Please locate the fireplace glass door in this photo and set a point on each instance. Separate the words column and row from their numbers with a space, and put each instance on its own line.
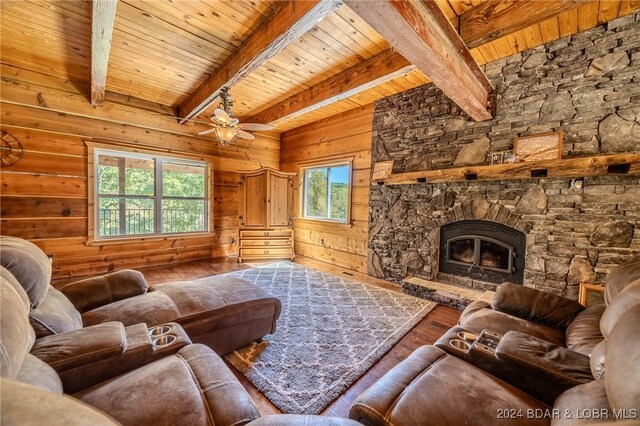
column 480, row 252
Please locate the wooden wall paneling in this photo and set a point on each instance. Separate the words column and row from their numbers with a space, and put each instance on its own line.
column 44, row 197
column 344, row 135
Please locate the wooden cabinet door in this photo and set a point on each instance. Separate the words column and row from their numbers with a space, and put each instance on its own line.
column 253, row 210
column 280, row 203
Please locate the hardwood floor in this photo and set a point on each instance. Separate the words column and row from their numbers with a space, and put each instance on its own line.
column 426, row 332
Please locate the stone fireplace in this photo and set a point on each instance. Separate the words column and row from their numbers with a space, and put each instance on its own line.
column 585, row 85
column 483, row 251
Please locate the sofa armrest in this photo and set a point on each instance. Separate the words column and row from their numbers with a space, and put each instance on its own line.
column 99, row 291
column 80, row 347
column 94, row 354
column 535, row 305
column 542, row 369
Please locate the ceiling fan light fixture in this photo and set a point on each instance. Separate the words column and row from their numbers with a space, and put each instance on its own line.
column 225, row 135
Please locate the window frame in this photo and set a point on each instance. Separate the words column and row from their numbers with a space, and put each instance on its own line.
column 303, row 189
column 159, row 159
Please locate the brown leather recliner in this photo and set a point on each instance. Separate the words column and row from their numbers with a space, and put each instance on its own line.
column 222, row 312
column 543, row 315
column 191, row 387
column 433, row 387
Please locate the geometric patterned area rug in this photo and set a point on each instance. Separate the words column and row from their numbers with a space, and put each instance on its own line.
column 330, row 332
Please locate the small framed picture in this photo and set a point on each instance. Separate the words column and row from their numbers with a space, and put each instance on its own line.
column 508, row 157
column 591, row 294
column 382, row 170
column 496, row 157
column 544, row 146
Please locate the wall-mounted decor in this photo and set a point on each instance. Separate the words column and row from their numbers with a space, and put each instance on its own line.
column 508, row 157
column 543, row 146
column 10, row 149
column 382, row 170
column 496, row 157
column 591, row 294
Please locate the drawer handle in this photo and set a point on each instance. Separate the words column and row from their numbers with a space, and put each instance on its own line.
column 266, row 252
column 266, row 243
column 266, row 234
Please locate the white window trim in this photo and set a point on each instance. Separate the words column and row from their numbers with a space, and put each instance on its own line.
column 303, row 186
column 95, row 149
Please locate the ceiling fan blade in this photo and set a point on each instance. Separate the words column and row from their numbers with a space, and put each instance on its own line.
column 256, row 126
column 234, row 122
column 222, row 115
column 245, row 135
column 206, row 132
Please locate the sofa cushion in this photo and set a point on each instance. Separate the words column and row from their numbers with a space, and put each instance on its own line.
column 192, row 387
column 38, row 373
column 584, row 332
column 587, row 398
column 302, row 420
column 55, row 315
column 152, row 308
column 620, row 304
column 28, row 264
column 486, row 318
column 619, row 278
column 23, row 404
column 16, row 336
column 432, row 386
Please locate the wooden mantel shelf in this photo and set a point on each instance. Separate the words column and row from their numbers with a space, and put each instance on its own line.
column 615, row 164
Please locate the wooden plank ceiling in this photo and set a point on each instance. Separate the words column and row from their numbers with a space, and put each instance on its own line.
column 163, row 50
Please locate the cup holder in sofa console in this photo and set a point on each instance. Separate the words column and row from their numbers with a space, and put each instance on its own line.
column 459, row 344
column 165, row 340
column 467, row 336
column 159, row 330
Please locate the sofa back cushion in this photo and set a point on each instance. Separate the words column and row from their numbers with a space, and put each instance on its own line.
column 28, row 264
column 619, row 278
column 584, row 331
column 617, row 308
column 16, row 335
column 56, row 314
column 622, row 374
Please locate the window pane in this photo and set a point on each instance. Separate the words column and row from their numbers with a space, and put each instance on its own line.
column 182, row 216
column 316, row 196
column 139, row 216
column 139, row 176
column 339, row 192
column 138, row 179
column 108, row 175
column 108, row 217
column 180, row 180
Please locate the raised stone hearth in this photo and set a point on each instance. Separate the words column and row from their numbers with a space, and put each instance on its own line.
column 587, row 86
column 455, row 296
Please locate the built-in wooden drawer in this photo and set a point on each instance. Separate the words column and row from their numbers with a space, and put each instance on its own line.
column 273, row 242
column 270, row 233
column 286, row 252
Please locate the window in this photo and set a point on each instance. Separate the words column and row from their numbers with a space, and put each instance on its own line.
column 327, row 192
column 145, row 195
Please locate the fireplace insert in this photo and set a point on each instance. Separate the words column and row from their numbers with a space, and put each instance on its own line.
column 482, row 250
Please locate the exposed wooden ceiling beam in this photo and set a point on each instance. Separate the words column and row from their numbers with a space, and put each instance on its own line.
column 496, row 18
column 376, row 70
column 102, row 19
column 422, row 33
column 286, row 25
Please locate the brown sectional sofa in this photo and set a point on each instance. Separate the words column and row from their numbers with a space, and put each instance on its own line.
column 221, row 312
column 597, row 379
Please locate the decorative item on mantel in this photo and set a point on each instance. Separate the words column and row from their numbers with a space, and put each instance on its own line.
column 11, row 149
column 543, row 146
column 381, row 170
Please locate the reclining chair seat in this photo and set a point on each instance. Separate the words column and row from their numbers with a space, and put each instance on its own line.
column 432, row 387
column 222, row 312
column 185, row 388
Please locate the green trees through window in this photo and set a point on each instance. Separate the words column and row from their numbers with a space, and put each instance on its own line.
column 129, row 203
column 326, row 194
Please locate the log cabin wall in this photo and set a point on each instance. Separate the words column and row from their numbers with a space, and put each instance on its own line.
column 346, row 135
column 44, row 196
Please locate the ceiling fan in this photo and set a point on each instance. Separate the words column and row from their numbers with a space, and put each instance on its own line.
column 227, row 128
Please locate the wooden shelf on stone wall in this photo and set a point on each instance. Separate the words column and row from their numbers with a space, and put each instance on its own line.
column 599, row 165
